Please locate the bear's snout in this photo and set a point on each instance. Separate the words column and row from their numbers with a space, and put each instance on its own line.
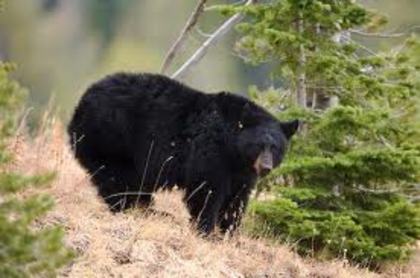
column 264, row 162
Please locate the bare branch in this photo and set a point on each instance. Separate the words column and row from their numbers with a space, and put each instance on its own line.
column 215, row 7
column 377, row 35
column 365, row 48
column 414, row 199
column 202, row 33
column 385, row 35
column 377, row 191
column 183, row 35
column 212, row 39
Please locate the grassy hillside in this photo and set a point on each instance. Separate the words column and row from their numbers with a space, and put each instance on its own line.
column 158, row 243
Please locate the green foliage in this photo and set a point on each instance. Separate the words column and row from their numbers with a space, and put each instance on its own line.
column 350, row 174
column 26, row 250
column 362, row 228
column 349, row 178
column 11, row 96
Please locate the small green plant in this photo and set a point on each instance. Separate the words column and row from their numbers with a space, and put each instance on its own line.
column 25, row 250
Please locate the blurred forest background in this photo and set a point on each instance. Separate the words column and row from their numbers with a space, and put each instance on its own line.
column 349, row 187
column 60, row 46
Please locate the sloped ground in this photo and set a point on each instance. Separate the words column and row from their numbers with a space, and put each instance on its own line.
column 157, row 243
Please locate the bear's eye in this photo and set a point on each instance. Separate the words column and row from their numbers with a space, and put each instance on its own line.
column 274, row 147
column 254, row 148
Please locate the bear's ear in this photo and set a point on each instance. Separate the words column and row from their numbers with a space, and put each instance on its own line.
column 289, row 128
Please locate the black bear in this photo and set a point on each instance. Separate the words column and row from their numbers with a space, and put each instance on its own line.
column 135, row 133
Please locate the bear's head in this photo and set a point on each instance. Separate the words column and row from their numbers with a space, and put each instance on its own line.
column 262, row 140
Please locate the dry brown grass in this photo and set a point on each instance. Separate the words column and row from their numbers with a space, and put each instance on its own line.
column 138, row 244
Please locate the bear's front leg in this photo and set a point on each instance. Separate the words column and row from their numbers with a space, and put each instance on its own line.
column 230, row 216
column 207, row 180
column 204, row 207
column 206, row 190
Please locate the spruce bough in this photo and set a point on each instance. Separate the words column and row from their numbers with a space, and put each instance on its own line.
column 349, row 186
column 25, row 251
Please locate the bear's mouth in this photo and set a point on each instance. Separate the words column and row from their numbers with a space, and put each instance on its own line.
column 264, row 163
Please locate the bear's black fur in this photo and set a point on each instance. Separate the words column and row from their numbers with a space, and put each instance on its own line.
column 135, row 133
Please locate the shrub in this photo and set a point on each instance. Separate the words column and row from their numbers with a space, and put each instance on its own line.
column 25, row 250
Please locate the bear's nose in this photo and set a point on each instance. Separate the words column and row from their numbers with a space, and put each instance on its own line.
column 264, row 172
column 264, row 163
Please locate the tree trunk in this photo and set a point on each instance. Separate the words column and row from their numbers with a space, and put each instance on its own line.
column 301, row 76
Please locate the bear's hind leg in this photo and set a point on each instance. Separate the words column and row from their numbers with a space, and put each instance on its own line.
column 119, row 185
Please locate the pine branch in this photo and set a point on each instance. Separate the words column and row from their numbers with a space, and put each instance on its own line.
column 212, row 39
column 192, row 21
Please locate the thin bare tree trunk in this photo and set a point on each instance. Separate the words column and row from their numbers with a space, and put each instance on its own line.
column 192, row 21
column 212, row 39
column 301, row 76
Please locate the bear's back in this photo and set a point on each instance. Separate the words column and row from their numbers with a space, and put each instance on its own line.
column 123, row 110
column 140, row 91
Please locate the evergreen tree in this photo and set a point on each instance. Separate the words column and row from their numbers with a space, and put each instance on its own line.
column 24, row 250
column 347, row 185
